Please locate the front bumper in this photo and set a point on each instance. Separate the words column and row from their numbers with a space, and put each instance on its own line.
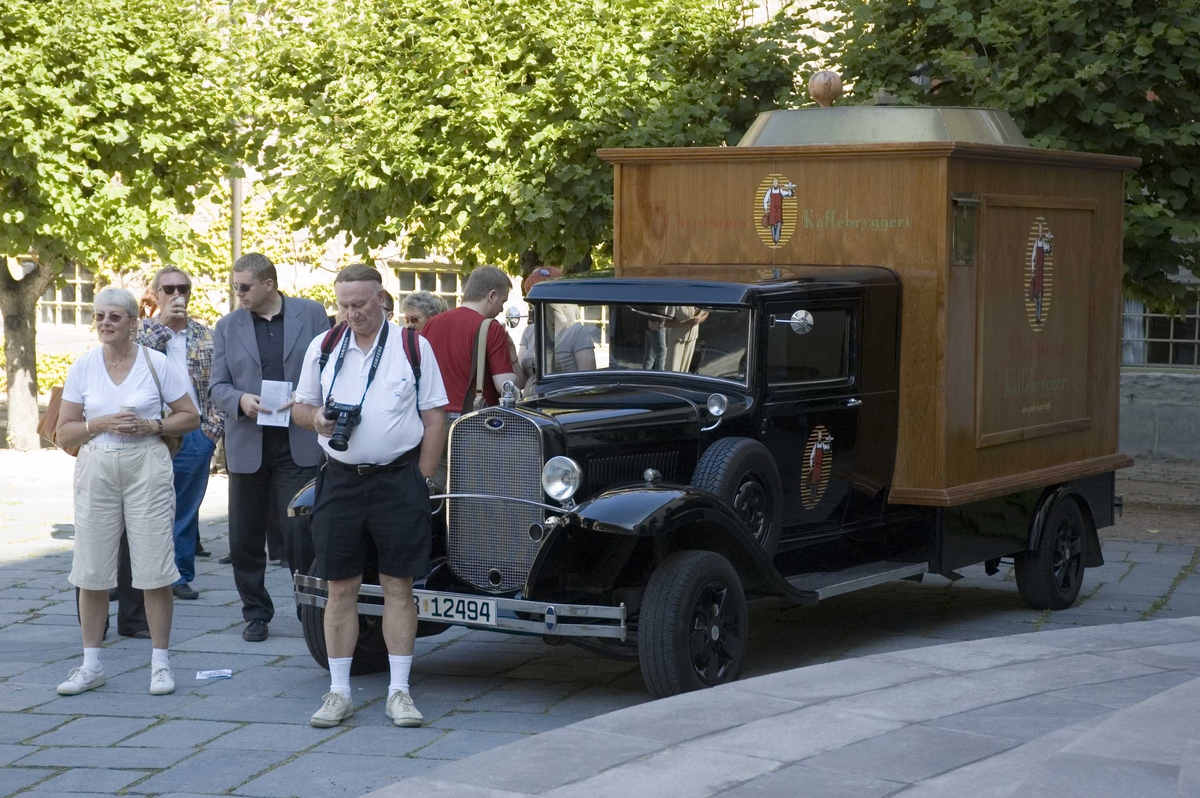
column 516, row 616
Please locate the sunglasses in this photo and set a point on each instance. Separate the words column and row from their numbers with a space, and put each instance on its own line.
column 112, row 318
column 243, row 288
column 183, row 290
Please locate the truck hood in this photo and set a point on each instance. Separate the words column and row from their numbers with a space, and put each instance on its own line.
column 605, row 408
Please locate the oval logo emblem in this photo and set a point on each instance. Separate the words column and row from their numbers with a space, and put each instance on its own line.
column 1039, row 273
column 775, row 210
column 551, row 619
column 495, row 423
column 814, row 471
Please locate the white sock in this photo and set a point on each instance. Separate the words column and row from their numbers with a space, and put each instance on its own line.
column 401, row 666
column 339, row 676
column 91, row 660
column 159, row 659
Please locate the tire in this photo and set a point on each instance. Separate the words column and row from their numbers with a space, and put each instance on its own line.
column 743, row 474
column 676, row 649
column 1050, row 576
column 370, row 654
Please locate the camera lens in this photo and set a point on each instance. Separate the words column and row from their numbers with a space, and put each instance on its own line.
column 339, row 441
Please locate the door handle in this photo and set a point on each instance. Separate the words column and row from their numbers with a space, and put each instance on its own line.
column 853, row 402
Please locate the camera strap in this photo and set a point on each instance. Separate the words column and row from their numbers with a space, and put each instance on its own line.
column 341, row 358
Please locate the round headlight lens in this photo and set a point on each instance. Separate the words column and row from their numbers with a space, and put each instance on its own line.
column 717, row 405
column 561, row 477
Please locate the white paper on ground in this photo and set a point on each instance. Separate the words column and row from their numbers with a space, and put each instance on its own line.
column 275, row 394
column 225, row 673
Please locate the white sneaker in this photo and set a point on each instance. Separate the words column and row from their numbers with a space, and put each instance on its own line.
column 335, row 710
column 80, row 681
column 401, row 710
column 162, row 682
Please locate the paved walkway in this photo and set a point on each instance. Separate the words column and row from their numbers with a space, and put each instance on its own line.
column 248, row 736
column 1105, row 711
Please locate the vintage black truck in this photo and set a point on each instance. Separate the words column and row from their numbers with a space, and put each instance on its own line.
column 725, row 441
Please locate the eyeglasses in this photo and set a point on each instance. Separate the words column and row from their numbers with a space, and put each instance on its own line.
column 112, row 318
column 183, row 290
column 243, row 288
column 413, row 320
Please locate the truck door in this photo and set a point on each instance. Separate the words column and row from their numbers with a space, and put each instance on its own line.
column 811, row 408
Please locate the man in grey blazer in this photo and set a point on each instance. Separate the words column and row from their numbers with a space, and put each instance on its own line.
column 263, row 340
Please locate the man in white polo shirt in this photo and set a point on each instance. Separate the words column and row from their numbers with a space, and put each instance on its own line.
column 383, row 442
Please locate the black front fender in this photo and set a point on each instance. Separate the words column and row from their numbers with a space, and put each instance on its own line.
column 616, row 539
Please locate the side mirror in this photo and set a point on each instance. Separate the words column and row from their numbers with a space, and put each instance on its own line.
column 512, row 317
column 801, row 321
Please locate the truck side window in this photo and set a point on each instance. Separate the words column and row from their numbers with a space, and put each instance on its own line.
column 820, row 354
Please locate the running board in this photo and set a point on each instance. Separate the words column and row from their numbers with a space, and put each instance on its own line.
column 825, row 584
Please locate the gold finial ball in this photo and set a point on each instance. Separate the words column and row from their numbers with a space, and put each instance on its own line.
column 825, row 87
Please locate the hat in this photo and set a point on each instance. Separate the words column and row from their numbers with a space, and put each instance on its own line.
column 538, row 275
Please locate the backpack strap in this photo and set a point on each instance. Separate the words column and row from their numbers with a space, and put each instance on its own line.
column 330, row 341
column 412, row 348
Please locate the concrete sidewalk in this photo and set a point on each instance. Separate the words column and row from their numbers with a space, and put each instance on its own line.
column 1104, row 711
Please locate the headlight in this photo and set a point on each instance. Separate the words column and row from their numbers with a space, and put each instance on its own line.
column 561, row 477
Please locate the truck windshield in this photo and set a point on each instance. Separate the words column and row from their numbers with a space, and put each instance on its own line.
column 707, row 341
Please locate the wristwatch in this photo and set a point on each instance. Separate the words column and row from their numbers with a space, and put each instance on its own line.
column 430, row 485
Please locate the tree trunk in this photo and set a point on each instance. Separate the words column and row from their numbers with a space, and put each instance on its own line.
column 18, row 304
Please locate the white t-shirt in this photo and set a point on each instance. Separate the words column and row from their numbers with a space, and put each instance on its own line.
column 390, row 423
column 576, row 338
column 88, row 384
column 177, row 354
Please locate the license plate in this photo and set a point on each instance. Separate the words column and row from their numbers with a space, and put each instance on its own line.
column 432, row 607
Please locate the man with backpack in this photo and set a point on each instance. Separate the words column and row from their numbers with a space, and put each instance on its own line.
column 373, row 393
column 476, row 354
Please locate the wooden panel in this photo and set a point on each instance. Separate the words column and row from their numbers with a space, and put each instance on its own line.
column 1091, row 297
column 1002, row 486
column 1033, row 331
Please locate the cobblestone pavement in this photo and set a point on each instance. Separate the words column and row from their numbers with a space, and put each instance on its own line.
column 249, row 735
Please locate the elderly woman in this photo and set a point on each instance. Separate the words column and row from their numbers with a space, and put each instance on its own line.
column 419, row 307
column 112, row 409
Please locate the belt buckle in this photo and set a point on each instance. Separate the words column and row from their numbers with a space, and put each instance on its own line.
column 363, row 469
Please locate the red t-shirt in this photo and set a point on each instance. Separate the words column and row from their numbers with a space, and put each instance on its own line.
column 452, row 335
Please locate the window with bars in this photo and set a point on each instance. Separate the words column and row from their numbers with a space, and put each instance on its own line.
column 446, row 284
column 1159, row 339
column 70, row 304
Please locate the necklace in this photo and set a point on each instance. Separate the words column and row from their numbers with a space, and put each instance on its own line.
column 118, row 361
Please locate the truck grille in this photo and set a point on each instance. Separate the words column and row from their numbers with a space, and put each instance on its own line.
column 499, row 453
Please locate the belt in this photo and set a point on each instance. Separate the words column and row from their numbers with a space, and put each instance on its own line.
column 118, row 446
column 366, row 469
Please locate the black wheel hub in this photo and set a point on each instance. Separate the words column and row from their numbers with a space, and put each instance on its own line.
column 753, row 505
column 715, row 636
column 1068, row 555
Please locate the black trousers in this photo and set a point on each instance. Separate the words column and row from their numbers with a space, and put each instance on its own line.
column 253, row 499
column 131, row 603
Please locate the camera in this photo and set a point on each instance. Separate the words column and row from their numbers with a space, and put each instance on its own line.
column 345, row 418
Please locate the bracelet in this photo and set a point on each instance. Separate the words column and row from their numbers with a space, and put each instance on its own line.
column 87, row 425
column 160, row 425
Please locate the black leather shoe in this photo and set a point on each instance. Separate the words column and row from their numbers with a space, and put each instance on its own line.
column 185, row 592
column 255, row 631
column 202, row 552
column 112, row 594
column 140, row 634
column 225, row 559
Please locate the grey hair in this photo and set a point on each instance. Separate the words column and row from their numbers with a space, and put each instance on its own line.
column 115, row 297
column 158, row 275
column 424, row 303
column 258, row 265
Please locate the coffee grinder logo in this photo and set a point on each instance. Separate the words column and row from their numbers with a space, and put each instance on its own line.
column 775, row 210
column 818, row 462
column 1039, row 273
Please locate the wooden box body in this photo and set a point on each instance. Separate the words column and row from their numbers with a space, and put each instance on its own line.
column 996, row 395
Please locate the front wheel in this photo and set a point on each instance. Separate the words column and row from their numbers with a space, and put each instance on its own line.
column 693, row 624
column 370, row 654
column 1049, row 577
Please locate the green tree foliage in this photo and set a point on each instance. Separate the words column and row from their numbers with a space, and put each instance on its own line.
column 114, row 116
column 471, row 125
column 1107, row 76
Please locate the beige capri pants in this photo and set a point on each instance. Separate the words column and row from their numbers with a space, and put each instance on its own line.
column 126, row 486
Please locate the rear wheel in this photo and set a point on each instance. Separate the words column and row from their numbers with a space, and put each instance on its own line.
column 693, row 624
column 1049, row 577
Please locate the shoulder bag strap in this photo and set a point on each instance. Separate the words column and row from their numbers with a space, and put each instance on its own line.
column 412, row 348
column 474, row 396
column 161, row 399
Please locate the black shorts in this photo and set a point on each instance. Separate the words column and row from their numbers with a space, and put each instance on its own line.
column 392, row 508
